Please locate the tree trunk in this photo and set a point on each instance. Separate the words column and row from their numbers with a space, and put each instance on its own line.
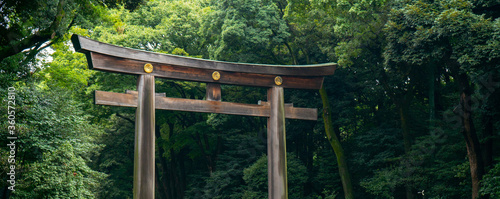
column 37, row 39
column 182, row 179
column 472, row 143
column 337, row 147
column 161, row 182
column 170, row 184
column 6, row 192
column 488, row 143
column 489, row 120
column 204, row 146
column 403, row 108
column 465, row 111
column 432, row 104
column 402, row 103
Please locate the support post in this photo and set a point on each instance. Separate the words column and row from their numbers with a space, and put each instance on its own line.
column 144, row 155
column 213, row 92
column 276, row 145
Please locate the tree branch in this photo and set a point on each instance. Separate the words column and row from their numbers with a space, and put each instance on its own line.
column 37, row 38
column 125, row 118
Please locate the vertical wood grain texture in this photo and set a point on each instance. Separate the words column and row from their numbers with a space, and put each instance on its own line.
column 144, row 156
column 276, row 145
column 213, row 92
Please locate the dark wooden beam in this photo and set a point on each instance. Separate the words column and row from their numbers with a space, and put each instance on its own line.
column 128, row 66
column 86, row 45
column 115, row 99
column 204, row 106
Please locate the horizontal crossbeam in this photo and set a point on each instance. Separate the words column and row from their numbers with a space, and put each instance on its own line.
column 128, row 66
column 178, row 104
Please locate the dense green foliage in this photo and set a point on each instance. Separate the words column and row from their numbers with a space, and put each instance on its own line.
column 56, row 143
column 414, row 103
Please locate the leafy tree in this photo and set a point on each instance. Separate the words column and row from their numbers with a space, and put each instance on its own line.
column 28, row 27
column 491, row 183
column 256, row 178
column 245, row 31
column 457, row 38
column 337, row 147
column 312, row 21
column 55, row 145
column 240, row 151
column 67, row 70
column 62, row 173
column 160, row 26
column 117, row 158
column 128, row 4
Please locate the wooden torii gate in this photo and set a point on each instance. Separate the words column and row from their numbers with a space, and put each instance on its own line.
column 148, row 65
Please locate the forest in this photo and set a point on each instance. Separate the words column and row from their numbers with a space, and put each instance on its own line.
column 412, row 111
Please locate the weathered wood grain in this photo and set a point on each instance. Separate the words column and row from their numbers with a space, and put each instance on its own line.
column 276, row 146
column 204, row 106
column 86, row 45
column 213, row 92
column 115, row 99
column 144, row 153
column 128, row 66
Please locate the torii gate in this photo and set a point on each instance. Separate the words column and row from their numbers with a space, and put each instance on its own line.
column 148, row 65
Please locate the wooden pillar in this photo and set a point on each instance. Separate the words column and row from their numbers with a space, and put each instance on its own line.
column 144, row 156
column 276, row 145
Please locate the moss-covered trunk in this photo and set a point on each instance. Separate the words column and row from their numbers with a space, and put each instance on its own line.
column 337, row 147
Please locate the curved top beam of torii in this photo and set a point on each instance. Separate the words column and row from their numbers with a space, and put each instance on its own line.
column 107, row 57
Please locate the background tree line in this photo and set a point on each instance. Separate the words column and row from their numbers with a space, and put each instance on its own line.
column 413, row 106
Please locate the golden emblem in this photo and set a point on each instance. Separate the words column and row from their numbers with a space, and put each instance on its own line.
column 216, row 75
column 278, row 80
column 148, row 68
